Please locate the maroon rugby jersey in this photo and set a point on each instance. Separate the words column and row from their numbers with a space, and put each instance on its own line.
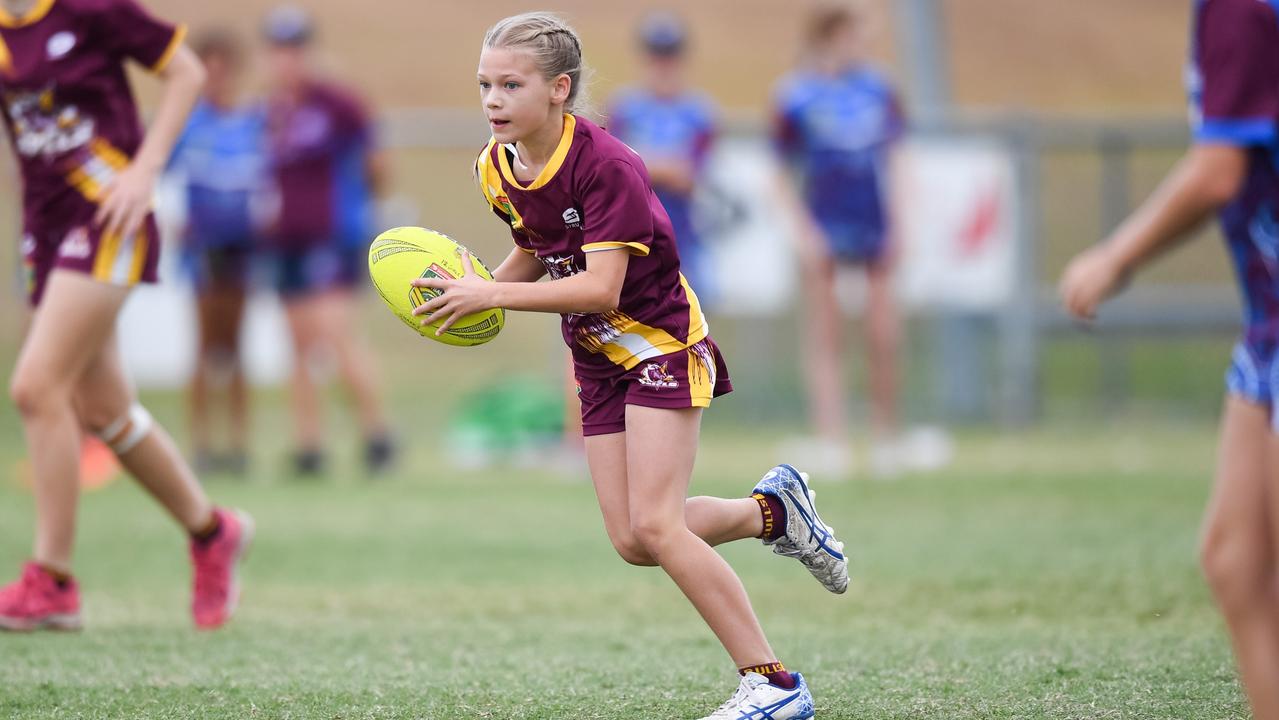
column 595, row 195
column 66, row 100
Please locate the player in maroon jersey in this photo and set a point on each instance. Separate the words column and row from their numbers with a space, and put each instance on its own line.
column 581, row 209
column 88, row 172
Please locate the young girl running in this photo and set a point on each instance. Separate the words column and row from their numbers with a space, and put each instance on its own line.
column 88, row 173
column 1233, row 169
column 581, row 208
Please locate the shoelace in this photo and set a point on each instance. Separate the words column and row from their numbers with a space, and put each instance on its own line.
column 742, row 693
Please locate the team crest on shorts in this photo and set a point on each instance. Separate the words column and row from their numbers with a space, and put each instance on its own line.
column 654, row 375
column 76, row 244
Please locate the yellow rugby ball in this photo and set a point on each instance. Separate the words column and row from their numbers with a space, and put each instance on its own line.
column 401, row 255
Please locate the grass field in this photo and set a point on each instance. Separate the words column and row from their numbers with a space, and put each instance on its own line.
column 1046, row 575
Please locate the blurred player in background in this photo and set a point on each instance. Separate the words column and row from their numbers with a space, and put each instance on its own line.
column 580, row 208
column 1232, row 170
column 326, row 168
column 836, row 121
column 672, row 128
column 89, row 172
column 220, row 157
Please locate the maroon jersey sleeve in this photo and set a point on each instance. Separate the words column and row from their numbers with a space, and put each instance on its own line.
column 617, row 209
column 1237, row 43
column 135, row 33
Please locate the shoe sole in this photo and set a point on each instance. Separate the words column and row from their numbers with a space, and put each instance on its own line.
column 56, row 623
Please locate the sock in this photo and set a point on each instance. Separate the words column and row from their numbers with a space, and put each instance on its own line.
column 58, row 576
column 209, row 532
column 775, row 672
column 774, row 517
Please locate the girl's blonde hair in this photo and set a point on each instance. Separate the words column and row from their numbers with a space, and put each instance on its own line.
column 555, row 48
column 830, row 17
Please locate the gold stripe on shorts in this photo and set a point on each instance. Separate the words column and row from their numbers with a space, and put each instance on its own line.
column 142, row 238
column 108, row 247
column 701, row 378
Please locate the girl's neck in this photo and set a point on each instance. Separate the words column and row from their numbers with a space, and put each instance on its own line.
column 536, row 150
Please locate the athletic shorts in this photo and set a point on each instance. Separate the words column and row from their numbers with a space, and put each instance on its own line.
column 682, row 379
column 298, row 273
column 1254, row 375
column 850, row 241
column 65, row 237
column 220, row 268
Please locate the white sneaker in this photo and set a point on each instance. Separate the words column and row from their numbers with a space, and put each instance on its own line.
column 807, row 539
column 927, row 448
column 919, row 449
column 758, row 699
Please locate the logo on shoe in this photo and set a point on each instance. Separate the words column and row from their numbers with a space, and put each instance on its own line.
column 654, row 375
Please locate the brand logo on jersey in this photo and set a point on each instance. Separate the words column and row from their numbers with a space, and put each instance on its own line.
column 59, row 44
column 28, row 245
column 654, row 375
column 572, row 218
column 76, row 244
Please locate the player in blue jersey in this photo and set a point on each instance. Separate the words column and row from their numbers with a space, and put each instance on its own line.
column 836, row 121
column 326, row 168
column 220, row 157
column 1232, row 170
column 672, row 128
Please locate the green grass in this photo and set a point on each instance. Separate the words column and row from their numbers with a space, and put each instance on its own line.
column 1046, row 575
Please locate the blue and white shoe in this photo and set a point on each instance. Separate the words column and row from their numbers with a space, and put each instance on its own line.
column 758, row 699
column 807, row 538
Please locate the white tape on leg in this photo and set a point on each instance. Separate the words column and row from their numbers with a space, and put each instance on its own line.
column 124, row 434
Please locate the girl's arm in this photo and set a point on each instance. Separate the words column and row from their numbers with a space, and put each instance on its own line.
column 128, row 198
column 519, row 266
column 1207, row 178
column 594, row 290
column 806, row 234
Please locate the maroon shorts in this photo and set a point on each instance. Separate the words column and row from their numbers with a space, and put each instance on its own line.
column 67, row 239
column 682, row 379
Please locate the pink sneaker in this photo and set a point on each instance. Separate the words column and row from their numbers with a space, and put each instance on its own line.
column 217, row 589
column 36, row 602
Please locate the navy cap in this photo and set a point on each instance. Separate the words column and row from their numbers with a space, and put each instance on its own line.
column 288, row 25
column 663, row 34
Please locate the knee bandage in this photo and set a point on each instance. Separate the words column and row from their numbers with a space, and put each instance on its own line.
column 125, row 433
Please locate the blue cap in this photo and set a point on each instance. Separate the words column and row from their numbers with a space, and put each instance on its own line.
column 663, row 33
column 288, row 25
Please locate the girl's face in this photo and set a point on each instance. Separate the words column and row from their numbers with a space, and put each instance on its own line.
column 287, row 65
column 221, row 70
column 844, row 44
column 664, row 74
column 516, row 99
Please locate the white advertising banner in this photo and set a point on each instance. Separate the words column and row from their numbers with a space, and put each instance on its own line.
column 956, row 219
